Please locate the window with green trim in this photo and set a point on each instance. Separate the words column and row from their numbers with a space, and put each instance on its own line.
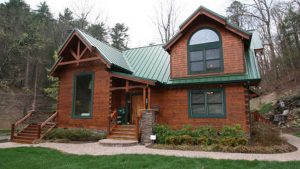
column 207, row 103
column 83, row 91
column 205, row 52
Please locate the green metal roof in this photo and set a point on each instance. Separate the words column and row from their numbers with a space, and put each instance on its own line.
column 150, row 62
column 216, row 14
column 153, row 62
column 110, row 54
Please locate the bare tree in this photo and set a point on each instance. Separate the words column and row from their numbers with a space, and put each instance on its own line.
column 166, row 19
column 82, row 10
column 260, row 10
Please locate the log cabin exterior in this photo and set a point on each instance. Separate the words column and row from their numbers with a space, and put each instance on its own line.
column 200, row 77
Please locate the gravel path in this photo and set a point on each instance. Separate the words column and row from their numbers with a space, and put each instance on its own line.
column 96, row 149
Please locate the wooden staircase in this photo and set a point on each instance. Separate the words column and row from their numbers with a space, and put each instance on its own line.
column 30, row 131
column 123, row 132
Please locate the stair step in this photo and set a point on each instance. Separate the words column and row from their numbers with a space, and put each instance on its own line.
column 125, row 126
column 22, row 141
column 25, row 137
column 124, row 129
column 124, row 133
column 28, row 131
column 121, row 137
column 28, row 134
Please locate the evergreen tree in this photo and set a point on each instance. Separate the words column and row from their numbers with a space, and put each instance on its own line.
column 119, row 36
column 98, row 31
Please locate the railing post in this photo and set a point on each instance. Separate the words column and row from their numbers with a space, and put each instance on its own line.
column 108, row 127
column 12, row 132
column 39, row 131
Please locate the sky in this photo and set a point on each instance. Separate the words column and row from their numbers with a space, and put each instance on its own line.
column 138, row 15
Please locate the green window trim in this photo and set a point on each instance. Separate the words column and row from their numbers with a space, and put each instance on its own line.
column 74, row 96
column 206, row 115
column 203, row 47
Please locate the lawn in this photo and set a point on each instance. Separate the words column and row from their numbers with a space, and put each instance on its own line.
column 37, row 158
column 297, row 134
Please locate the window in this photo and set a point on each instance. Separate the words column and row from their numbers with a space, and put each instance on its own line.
column 83, row 91
column 207, row 103
column 205, row 52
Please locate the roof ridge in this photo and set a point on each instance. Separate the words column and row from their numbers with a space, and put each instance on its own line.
column 144, row 46
column 105, row 43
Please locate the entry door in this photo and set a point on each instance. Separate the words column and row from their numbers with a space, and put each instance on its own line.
column 137, row 104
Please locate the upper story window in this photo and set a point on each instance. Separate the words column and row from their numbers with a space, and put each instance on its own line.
column 205, row 52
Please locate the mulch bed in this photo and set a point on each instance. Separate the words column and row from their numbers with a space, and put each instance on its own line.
column 254, row 149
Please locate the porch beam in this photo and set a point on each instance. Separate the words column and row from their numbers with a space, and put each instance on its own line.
column 149, row 82
column 129, row 87
column 78, row 61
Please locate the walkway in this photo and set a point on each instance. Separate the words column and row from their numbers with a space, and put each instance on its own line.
column 96, row 149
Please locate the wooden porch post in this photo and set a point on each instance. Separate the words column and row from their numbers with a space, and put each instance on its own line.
column 149, row 98
column 144, row 97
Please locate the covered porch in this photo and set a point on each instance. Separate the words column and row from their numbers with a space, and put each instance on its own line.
column 130, row 96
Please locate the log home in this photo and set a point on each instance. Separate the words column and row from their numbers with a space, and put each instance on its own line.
column 200, row 77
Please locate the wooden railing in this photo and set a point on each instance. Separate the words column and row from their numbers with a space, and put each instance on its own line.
column 15, row 125
column 112, row 121
column 259, row 118
column 42, row 128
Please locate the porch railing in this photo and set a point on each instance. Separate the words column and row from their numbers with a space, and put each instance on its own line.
column 18, row 123
column 112, row 121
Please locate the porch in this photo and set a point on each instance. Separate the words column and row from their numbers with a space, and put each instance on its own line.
column 130, row 96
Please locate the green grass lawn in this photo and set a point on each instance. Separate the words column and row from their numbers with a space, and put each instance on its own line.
column 42, row 158
column 4, row 131
column 297, row 134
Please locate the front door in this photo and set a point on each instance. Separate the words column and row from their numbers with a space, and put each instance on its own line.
column 136, row 105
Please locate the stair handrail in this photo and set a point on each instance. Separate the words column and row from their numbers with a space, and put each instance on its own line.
column 42, row 125
column 14, row 125
column 111, row 117
column 49, row 119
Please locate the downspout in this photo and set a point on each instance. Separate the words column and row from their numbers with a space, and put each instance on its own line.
column 250, row 116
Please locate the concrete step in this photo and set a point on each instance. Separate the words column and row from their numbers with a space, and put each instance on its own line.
column 117, row 143
column 121, row 137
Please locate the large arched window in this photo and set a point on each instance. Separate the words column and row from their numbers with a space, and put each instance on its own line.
column 205, row 52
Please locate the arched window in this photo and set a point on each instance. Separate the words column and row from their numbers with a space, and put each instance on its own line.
column 205, row 52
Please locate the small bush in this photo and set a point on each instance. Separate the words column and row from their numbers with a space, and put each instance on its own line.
column 74, row 135
column 162, row 132
column 202, row 141
column 265, row 134
column 185, row 130
column 206, row 131
column 265, row 108
column 179, row 140
column 232, row 132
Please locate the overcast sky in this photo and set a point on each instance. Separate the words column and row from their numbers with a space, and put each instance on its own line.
column 138, row 15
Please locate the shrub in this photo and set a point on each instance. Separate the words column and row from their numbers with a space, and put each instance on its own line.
column 206, row 131
column 265, row 108
column 232, row 132
column 265, row 134
column 74, row 135
column 178, row 140
column 186, row 139
column 162, row 132
column 233, row 142
column 185, row 130
column 202, row 141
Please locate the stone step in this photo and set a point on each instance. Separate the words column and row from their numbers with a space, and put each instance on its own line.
column 117, row 143
column 121, row 137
